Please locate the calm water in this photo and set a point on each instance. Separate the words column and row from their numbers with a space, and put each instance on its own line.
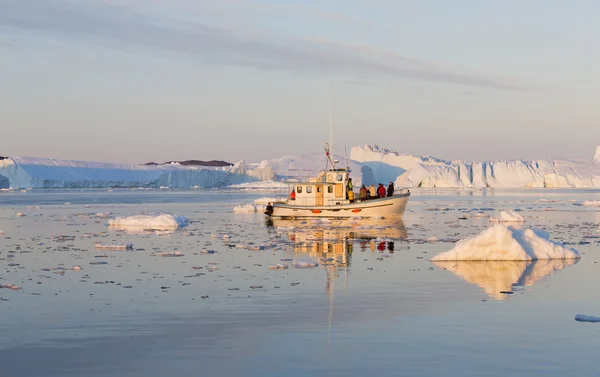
column 374, row 305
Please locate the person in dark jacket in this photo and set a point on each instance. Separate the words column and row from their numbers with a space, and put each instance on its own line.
column 390, row 189
column 269, row 210
column 362, row 194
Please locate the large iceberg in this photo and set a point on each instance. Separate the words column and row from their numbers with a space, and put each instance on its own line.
column 424, row 171
column 28, row 172
column 303, row 167
column 501, row 243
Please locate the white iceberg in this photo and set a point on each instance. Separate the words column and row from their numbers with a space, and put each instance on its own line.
column 501, row 243
column 248, row 208
column 34, row 172
column 508, row 217
column 586, row 318
column 304, row 264
column 127, row 246
column 588, row 203
column 160, row 222
column 425, row 171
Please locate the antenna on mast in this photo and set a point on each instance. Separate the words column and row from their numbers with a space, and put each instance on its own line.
column 330, row 123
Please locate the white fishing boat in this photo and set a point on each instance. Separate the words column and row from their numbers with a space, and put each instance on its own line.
column 328, row 195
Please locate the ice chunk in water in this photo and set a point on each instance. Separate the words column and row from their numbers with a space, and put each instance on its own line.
column 304, row 264
column 162, row 221
column 506, row 243
column 586, row 318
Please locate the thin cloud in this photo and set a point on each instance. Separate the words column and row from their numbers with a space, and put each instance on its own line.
column 125, row 28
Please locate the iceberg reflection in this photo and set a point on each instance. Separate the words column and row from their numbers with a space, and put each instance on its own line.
column 498, row 277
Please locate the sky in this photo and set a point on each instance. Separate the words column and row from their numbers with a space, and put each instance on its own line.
column 156, row 80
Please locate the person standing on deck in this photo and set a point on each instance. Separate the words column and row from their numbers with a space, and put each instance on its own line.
column 372, row 192
column 362, row 194
column 390, row 189
column 381, row 191
column 349, row 187
column 293, row 195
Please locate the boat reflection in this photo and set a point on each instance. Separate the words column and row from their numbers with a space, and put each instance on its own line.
column 331, row 242
column 500, row 278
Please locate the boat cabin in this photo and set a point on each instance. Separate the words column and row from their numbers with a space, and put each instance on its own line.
column 328, row 188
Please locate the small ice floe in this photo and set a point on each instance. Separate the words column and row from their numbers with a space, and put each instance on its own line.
column 548, row 200
column 588, row 203
column 278, row 266
column 14, row 287
column 506, row 243
column 248, row 208
column 76, row 268
column 171, row 254
column 21, row 214
column 223, row 236
column 127, row 246
column 2, row 232
column 161, row 222
column 304, row 264
column 99, row 262
column 508, row 217
column 103, row 215
column 586, row 318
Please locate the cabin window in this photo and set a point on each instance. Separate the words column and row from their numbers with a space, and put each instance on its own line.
column 339, row 177
column 299, row 189
column 330, row 189
column 308, row 189
column 319, row 189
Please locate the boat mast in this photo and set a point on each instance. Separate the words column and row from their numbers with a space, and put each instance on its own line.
column 330, row 123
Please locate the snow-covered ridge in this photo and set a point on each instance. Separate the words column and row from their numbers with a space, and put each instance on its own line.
column 416, row 171
column 30, row 172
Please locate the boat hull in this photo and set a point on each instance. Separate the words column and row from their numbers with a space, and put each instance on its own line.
column 390, row 207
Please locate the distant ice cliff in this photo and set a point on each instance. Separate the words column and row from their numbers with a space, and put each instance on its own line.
column 28, row 172
column 418, row 171
column 368, row 164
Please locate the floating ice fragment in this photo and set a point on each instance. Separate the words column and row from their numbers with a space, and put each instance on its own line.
column 278, row 266
column 128, row 246
column 586, row 318
column 21, row 214
column 99, row 262
column 588, row 203
column 76, row 268
column 171, row 254
column 161, row 222
column 506, row 243
column 304, row 264
column 2, row 232
column 248, row 208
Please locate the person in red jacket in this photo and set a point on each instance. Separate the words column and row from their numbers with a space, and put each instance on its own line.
column 293, row 195
column 381, row 191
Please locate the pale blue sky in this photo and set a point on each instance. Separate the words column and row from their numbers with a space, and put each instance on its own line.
column 141, row 80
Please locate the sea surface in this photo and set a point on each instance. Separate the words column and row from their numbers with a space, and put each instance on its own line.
column 374, row 305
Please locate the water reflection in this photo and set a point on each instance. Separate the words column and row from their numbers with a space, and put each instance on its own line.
column 331, row 242
column 140, row 230
column 499, row 277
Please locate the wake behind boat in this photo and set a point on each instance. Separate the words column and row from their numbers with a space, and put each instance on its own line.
column 330, row 194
